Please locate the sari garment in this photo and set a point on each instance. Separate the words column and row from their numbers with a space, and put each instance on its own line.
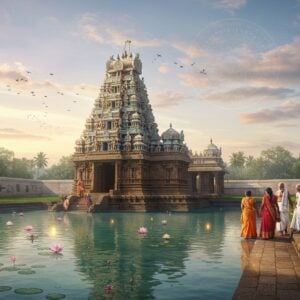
column 248, row 218
column 268, row 217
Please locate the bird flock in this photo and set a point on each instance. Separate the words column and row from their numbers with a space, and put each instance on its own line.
column 159, row 58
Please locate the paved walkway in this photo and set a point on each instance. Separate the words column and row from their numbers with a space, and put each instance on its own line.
column 271, row 270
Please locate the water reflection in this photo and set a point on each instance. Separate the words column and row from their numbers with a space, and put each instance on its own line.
column 196, row 263
column 134, row 264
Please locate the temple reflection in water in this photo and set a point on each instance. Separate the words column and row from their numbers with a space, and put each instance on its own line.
column 123, row 162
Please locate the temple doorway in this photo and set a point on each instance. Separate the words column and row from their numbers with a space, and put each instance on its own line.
column 104, row 177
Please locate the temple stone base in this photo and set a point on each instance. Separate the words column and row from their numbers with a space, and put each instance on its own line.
column 146, row 203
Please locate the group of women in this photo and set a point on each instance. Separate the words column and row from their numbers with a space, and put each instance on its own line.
column 274, row 213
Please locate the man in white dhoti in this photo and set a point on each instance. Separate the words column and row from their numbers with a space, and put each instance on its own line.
column 295, row 224
column 284, row 201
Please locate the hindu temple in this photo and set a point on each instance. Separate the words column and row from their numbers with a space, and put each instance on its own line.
column 123, row 162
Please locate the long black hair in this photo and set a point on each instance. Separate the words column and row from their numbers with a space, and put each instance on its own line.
column 269, row 192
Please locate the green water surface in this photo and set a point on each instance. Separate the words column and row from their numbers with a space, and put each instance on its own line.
column 202, row 259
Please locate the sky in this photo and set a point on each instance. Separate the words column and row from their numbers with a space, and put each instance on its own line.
column 239, row 80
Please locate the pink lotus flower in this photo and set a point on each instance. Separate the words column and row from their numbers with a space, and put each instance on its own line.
column 164, row 222
column 13, row 259
column 143, row 230
column 56, row 248
column 28, row 228
column 109, row 288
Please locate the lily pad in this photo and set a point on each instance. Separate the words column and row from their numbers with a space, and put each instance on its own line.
column 55, row 296
column 26, row 272
column 5, row 288
column 28, row 291
column 20, row 265
column 38, row 266
column 10, row 269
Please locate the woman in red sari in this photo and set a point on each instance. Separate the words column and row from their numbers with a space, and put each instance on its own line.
column 269, row 215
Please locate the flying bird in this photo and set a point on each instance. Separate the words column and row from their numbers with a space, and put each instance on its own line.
column 51, row 74
column 203, row 71
column 193, row 64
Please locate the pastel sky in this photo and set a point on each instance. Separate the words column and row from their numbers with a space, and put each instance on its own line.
column 53, row 55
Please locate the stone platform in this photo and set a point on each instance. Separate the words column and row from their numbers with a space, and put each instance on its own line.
column 271, row 269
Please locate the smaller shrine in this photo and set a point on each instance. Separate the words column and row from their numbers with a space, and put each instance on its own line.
column 207, row 171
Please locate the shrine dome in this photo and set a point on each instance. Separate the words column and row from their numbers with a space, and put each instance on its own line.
column 212, row 150
column 170, row 134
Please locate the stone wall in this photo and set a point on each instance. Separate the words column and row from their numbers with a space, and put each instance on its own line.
column 14, row 187
column 18, row 187
column 238, row 187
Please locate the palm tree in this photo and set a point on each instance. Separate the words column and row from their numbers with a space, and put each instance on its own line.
column 40, row 161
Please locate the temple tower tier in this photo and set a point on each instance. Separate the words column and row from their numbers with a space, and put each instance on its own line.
column 120, row 156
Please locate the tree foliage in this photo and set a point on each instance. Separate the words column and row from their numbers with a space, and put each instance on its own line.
column 63, row 170
column 273, row 163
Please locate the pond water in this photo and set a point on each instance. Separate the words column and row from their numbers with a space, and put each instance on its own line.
column 201, row 260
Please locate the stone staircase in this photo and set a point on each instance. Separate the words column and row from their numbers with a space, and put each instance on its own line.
column 80, row 204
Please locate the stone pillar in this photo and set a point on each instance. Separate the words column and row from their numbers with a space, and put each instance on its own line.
column 199, row 183
column 215, row 183
column 117, row 175
column 217, row 187
column 92, row 176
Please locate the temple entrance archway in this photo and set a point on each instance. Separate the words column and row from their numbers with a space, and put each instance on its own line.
column 104, row 177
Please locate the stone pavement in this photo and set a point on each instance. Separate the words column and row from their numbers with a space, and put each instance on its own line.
column 271, row 269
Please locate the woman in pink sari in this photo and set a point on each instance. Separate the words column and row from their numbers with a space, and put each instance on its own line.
column 269, row 215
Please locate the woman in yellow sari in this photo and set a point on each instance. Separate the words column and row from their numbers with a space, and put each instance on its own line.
column 248, row 217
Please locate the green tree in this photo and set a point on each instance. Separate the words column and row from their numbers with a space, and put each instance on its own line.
column 40, row 161
column 21, row 168
column 237, row 159
column 6, row 157
column 278, row 163
column 63, row 170
column 296, row 169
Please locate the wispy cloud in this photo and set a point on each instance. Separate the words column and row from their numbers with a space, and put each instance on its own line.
column 191, row 51
column 230, row 5
column 15, row 134
column 288, row 110
column 277, row 67
column 250, row 93
column 164, row 68
column 167, row 99
column 103, row 31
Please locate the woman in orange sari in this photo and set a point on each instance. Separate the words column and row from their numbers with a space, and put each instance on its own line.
column 248, row 217
column 269, row 215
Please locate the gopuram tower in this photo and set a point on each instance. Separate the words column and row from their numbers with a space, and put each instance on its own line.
column 120, row 159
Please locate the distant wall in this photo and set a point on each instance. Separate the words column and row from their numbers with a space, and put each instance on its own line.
column 238, row 187
column 14, row 187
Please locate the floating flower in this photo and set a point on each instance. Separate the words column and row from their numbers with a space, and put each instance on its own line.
column 56, row 248
column 166, row 236
column 151, row 219
column 13, row 259
column 59, row 219
column 21, row 214
column 109, row 288
column 9, row 223
column 28, row 228
column 143, row 230
column 164, row 222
